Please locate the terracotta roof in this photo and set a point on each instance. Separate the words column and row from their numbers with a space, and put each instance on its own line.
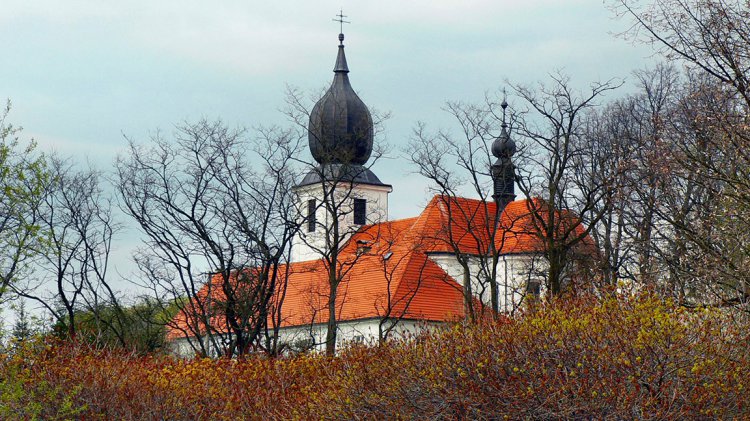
column 467, row 225
column 395, row 277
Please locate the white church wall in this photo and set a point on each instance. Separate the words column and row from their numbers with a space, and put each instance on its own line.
column 305, row 243
column 312, row 337
column 514, row 274
column 356, row 331
column 450, row 265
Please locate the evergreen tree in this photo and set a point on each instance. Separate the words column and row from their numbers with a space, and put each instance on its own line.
column 22, row 327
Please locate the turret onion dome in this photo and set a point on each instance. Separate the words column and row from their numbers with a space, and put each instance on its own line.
column 503, row 146
column 340, row 129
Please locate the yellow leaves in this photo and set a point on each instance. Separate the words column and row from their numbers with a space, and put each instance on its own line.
column 701, row 365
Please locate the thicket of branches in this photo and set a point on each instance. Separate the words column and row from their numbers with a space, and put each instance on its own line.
column 647, row 190
column 621, row 358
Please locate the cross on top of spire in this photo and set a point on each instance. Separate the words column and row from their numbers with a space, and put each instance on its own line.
column 341, row 22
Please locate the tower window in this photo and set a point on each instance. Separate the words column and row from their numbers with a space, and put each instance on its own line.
column 360, row 211
column 311, row 215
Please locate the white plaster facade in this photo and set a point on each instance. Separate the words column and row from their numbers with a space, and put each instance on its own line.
column 515, row 272
column 305, row 243
column 312, row 337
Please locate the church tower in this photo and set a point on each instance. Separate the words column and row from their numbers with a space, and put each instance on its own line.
column 503, row 175
column 341, row 186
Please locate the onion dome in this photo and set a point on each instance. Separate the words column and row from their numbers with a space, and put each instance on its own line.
column 340, row 129
column 503, row 146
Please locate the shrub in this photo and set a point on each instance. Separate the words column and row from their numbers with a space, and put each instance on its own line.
column 24, row 395
column 636, row 357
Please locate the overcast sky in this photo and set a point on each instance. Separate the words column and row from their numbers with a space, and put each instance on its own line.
column 82, row 73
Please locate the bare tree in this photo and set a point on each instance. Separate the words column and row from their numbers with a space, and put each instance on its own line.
column 710, row 132
column 711, row 36
column 338, row 194
column 558, row 175
column 217, row 214
column 272, row 344
column 706, row 210
column 461, row 165
column 77, row 217
column 629, row 150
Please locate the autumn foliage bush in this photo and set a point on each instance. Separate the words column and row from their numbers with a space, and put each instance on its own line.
column 638, row 357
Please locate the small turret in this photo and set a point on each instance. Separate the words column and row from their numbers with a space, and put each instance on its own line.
column 503, row 174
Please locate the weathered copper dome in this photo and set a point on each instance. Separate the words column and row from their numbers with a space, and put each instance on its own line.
column 340, row 129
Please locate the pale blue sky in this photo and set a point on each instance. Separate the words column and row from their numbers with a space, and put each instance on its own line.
column 83, row 73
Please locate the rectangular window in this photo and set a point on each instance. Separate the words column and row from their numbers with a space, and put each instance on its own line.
column 311, row 215
column 360, row 211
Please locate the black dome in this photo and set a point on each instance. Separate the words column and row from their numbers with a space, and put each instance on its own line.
column 503, row 146
column 340, row 129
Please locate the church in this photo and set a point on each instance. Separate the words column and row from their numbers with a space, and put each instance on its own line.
column 389, row 278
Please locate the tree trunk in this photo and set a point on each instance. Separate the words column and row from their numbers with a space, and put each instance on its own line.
column 332, row 325
column 468, row 296
column 555, row 272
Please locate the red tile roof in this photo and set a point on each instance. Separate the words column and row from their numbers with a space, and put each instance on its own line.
column 396, row 277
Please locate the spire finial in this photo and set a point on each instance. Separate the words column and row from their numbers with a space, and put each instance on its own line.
column 504, row 105
column 341, row 22
column 503, row 146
